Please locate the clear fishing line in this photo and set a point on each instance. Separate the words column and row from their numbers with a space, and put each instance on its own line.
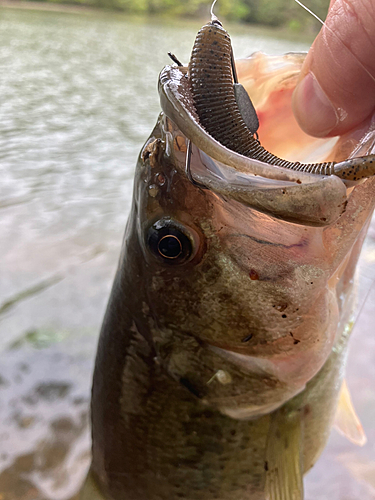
column 336, row 36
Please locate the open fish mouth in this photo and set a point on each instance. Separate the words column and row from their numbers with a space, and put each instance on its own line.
column 294, row 196
column 222, row 153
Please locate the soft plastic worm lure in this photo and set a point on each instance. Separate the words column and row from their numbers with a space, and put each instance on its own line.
column 212, row 73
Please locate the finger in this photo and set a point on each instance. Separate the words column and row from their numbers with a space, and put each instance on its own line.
column 337, row 87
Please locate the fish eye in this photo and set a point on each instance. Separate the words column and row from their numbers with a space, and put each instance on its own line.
column 169, row 242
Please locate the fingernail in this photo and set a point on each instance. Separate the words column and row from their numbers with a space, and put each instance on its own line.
column 312, row 108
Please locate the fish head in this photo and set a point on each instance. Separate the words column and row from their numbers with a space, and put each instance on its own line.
column 241, row 265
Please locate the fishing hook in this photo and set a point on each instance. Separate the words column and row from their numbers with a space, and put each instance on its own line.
column 213, row 17
column 233, row 64
column 187, row 167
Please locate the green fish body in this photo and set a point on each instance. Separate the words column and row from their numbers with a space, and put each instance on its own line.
column 222, row 351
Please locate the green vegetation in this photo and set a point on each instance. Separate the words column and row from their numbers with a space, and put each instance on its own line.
column 39, row 339
column 266, row 12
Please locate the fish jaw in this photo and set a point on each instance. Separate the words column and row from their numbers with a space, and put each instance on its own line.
column 291, row 195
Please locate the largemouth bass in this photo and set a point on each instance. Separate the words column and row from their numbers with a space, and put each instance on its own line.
column 222, row 351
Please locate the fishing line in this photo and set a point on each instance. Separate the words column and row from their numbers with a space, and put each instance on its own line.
column 213, row 17
column 336, row 36
column 310, row 12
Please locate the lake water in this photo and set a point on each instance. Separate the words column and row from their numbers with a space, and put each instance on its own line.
column 78, row 95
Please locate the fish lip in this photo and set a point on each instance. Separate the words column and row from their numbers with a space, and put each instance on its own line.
column 176, row 100
column 299, row 197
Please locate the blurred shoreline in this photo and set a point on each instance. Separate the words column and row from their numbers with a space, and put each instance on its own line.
column 53, row 7
column 298, row 26
column 239, row 26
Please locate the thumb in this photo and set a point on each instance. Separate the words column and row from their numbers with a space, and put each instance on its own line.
column 336, row 91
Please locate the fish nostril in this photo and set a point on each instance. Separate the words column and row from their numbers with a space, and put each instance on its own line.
column 160, row 179
column 247, row 338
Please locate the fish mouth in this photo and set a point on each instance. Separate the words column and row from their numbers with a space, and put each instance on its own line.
column 293, row 196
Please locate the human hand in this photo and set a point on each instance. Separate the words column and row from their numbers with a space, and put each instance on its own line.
column 336, row 91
